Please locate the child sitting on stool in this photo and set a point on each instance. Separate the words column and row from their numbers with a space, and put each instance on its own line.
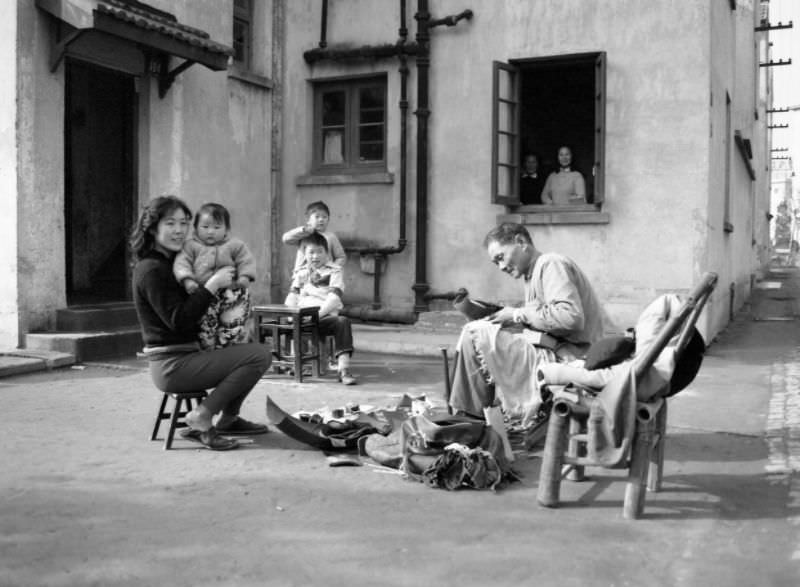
column 319, row 282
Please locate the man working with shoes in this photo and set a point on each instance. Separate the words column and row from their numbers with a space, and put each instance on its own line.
column 498, row 355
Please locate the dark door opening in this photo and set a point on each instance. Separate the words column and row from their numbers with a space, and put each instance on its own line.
column 99, row 182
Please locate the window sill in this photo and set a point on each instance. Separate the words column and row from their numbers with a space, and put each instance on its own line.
column 249, row 77
column 577, row 214
column 344, row 178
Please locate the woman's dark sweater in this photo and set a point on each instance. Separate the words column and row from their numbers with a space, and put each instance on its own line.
column 167, row 314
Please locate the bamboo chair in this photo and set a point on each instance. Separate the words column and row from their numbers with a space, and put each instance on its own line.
column 566, row 441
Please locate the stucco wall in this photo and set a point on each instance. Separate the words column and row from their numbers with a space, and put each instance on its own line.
column 208, row 139
column 40, row 135
column 737, row 255
column 657, row 154
column 8, row 182
column 361, row 214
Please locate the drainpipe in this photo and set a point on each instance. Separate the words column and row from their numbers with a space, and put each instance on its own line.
column 379, row 254
column 276, row 166
column 422, row 113
column 446, row 295
column 323, row 30
column 402, row 50
column 424, row 24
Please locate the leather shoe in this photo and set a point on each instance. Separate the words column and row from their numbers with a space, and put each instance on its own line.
column 242, row 427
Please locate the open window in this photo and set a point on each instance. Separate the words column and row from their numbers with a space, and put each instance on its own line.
column 540, row 105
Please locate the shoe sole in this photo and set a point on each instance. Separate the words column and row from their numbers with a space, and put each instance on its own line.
column 194, row 436
column 242, row 432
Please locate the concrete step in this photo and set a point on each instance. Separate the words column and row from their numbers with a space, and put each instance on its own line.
column 403, row 340
column 20, row 361
column 110, row 316
column 88, row 345
column 447, row 321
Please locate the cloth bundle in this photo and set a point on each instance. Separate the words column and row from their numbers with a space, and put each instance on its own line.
column 461, row 466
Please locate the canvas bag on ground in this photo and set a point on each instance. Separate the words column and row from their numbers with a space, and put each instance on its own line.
column 423, row 443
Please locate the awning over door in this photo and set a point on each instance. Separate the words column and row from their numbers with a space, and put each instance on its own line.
column 156, row 33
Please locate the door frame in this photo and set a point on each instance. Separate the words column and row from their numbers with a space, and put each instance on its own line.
column 132, row 189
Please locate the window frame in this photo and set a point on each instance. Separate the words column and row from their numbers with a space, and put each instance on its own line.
column 513, row 69
column 499, row 135
column 243, row 15
column 351, row 86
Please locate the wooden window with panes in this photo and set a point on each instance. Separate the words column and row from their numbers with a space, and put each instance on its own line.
column 539, row 105
column 350, row 125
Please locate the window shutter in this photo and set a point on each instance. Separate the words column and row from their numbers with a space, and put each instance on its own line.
column 505, row 134
column 598, row 169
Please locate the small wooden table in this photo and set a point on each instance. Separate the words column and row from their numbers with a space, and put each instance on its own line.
column 287, row 324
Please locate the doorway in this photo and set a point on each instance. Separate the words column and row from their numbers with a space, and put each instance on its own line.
column 99, row 175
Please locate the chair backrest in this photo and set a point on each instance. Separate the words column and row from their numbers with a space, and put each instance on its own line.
column 613, row 412
column 683, row 321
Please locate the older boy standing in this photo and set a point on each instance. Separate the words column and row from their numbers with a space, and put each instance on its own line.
column 317, row 217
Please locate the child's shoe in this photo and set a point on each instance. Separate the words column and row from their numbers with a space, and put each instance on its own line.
column 346, row 377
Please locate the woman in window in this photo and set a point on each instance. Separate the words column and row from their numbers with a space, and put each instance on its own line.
column 564, row 186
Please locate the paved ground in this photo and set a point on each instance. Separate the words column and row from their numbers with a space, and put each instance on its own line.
column 88, row 500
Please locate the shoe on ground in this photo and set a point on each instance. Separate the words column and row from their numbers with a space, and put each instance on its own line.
column 242, row 427
column 209, row 438
column 346, row 377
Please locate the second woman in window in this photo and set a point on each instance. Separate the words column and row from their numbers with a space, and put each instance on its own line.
column 565, row 186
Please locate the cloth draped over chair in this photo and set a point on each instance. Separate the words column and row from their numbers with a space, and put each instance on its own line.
column 612, row 412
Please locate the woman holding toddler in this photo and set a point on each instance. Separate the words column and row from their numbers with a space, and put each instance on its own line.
column 170, row 317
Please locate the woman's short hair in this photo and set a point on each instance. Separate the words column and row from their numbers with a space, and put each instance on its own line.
column 506, row 232
column 143, row 236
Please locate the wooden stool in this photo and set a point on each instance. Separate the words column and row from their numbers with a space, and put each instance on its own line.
column 288, row 327
column 176, row 416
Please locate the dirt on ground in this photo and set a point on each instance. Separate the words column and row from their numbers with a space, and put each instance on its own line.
column 88, row 499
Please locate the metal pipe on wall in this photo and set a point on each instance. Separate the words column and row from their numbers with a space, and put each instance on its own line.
column 276, row 140
column 403, row 104
column 421, row 51
column 368, row 314
column 323, row 28
column 422, row 113
column 380, row 253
